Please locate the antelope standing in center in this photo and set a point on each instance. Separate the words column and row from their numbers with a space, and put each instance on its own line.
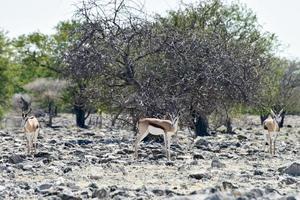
column 31, row 128
column 273, row 124
column 155, row 126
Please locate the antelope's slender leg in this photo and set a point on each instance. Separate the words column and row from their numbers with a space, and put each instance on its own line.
column 29, row 142
column 274, row 142
column 35, row 139
column 166, row 144
column 265, row 142
column 169, row 145
column 270, row 143
column 139, row 138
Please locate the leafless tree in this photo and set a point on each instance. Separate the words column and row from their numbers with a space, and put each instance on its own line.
column 128, row 63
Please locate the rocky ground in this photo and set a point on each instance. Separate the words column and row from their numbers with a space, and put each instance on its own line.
column 72, row 163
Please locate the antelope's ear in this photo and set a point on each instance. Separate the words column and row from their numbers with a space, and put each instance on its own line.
column 272, row 113
column 280, row 112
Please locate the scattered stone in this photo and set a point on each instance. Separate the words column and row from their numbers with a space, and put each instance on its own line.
column 27, row 167
column 95, row 177
column 89, row 133
column 24, row 185
column 44, row 188
column 201, row 143
column 222, row 129
column 84, row 142
column 158, row 192
column 65, row 196
column 288, row 181
column 15, row 159
column 258, row 173
column 242, row 137
column 93, row 186
column 290, row 198
column 254, row 194
column 67, row 169
column 200, row 176
column 52, row 141
column 216, row 163
column 197, row 156
column 100, row 193
column 227, row 185
column 170, row 163
column 293, row 169
column 42, row 155
column 214, row 197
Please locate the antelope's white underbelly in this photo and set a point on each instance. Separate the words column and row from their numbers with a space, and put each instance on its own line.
column 155, row 131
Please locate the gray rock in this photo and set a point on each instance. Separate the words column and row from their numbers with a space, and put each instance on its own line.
column 67, row 196
column 227, row 185
column 222, row 129
column 93, row 186
column 3, row 167
column 255, row 193
column 24, row 185
column 198, row 156
column 44, row 188
column 290, row 198
column 42, row 155
column 293, row 169
column 216, row 163
column 27, row 167
column 158, row 192
column 288, row 181
column 67, row 169
column 200, row 176
column 15, row 159
column 241, row 137
column 258, row 173
column 214, row 197
column 84, row 142
column 100, row 193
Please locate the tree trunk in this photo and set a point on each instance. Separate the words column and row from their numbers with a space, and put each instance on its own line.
column 50, row 113
column 80, row 116
column 201, row 125
column 55, row 111
column 229, row 125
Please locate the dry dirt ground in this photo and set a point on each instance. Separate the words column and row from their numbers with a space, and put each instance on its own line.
column 74, row 163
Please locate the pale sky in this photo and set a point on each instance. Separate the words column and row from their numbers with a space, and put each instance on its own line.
column 25, row 16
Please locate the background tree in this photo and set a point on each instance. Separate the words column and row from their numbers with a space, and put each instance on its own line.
column 5, row 88
column 102, row 63
column 280, row 88
column 191, row 61
column 47, row 91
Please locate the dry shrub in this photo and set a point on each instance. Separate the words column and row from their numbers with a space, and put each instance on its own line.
column 47, row 87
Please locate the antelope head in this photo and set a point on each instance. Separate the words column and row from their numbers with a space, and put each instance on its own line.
column 25, row 114
column 278, row 117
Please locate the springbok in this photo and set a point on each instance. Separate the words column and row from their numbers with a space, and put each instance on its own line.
column 31, row 128
column 273, row 124
column 155, row 126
